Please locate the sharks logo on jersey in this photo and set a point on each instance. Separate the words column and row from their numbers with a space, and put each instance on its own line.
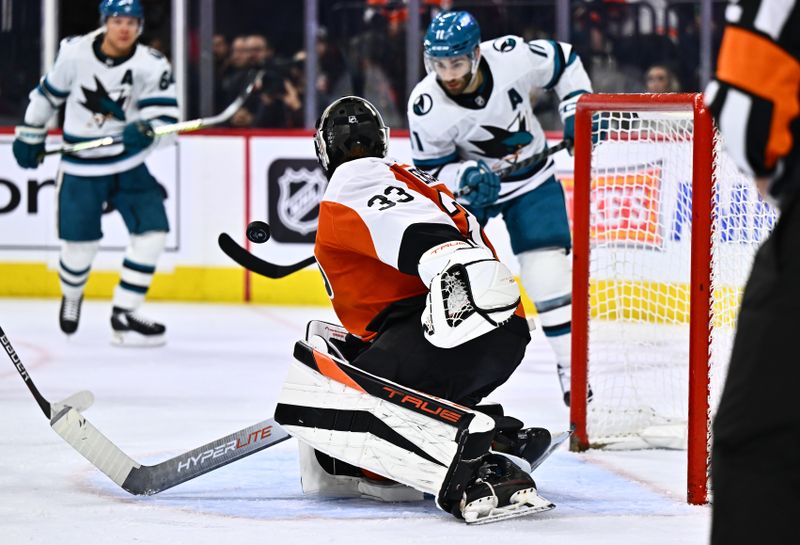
column 100, row 103
column 504, row 142
column 423, row 104
column 504, row 44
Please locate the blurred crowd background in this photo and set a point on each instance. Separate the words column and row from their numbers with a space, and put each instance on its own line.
column 360, row 47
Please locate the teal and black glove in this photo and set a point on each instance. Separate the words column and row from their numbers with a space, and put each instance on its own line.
column 478, row 184
column 137, row 135
column 28, row 146
column 569, row 132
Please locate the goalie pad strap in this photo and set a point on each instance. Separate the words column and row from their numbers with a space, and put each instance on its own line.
column 401, row 434
column 346, row 421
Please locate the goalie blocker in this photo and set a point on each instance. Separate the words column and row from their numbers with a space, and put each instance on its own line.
column 401, row 434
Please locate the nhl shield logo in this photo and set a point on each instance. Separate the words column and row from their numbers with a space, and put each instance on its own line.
column 300, row 191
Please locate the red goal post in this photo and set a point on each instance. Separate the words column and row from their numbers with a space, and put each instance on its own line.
column 650, row 174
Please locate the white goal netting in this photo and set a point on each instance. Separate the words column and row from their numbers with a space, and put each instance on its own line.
column 640, row 264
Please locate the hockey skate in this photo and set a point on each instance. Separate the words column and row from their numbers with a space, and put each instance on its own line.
column 130, row 329
column 565, row 381
column 501, row 490
column 70, row 314
column 534, row 445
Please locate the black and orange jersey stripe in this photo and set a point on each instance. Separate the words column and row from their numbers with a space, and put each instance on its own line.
column 756, row 95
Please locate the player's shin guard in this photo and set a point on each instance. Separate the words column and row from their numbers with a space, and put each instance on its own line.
column 547, row 278
column 410, row 437
column 138, row 268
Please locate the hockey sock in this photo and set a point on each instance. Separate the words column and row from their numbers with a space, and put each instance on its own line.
column 547, row 276
column 138, row 268
column 74, row 264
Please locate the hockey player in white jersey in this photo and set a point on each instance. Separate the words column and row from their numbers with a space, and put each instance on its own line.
column 471, row 116
column 110, row 85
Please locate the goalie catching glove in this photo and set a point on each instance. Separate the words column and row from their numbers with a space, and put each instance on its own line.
column 471, row 293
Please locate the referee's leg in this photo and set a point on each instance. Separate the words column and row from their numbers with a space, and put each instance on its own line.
column 755, row 463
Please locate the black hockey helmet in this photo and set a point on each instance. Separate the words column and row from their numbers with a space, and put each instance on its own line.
column 350, row 128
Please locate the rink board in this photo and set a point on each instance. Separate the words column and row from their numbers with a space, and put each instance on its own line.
column 218, row 182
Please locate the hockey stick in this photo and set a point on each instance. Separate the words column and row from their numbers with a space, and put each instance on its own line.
column 256, row 264
column 271, row 270
column 515, row 168
column 182, row 126
column 126, row 472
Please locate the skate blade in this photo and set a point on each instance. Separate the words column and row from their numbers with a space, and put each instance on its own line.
column 555, row 442
column 526, row 503
column 131, row 339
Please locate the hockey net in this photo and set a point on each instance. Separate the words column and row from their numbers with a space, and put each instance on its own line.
column 665, row 231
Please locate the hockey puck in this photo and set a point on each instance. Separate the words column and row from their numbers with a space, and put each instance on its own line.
column 258, row 232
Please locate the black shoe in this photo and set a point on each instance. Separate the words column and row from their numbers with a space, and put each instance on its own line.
column 70, row 314
column 130, row 329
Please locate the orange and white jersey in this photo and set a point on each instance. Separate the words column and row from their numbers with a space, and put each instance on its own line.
column 376, row 218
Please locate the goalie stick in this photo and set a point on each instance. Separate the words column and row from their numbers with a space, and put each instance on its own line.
column 272, row 270
column 163, row 130
column 68, row 422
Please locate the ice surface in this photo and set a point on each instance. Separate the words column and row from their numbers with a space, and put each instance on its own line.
column 221, row 371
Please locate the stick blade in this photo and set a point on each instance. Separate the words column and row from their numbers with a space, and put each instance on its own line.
column 93, row 445
column 79, row 401
column 257, row 265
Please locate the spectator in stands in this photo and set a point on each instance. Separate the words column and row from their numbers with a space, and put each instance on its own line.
column 221, row 52
column 278, row 104
column 234, row 77
column 661, row 79
column 222, row 67
column 259, row 51
column 333, row 80
column 596, row 49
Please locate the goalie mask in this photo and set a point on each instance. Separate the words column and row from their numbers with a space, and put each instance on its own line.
column 350, row 128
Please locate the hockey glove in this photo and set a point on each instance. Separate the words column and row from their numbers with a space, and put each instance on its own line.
column 477, row 184
column 569, row 133
column 566, row 109
column 471, row 293
column 28, row 146
column 137, row 135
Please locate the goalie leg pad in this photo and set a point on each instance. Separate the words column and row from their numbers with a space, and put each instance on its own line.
column 321, row 475
column 418, row 440
column 334, row 339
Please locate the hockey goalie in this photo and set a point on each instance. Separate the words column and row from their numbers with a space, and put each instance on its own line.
column 387, row 406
